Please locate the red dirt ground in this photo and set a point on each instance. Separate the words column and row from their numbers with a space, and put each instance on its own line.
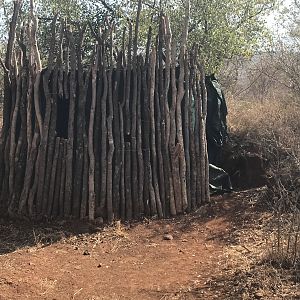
column 81, row 261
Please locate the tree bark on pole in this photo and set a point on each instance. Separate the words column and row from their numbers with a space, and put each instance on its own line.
column 204, row 155
column 80, row 128
column 168, row 174
column 103, row 162
column 51, row 163
column 30, row 165
column 48, row 138
column 53, row 172
column 127, row 171
column 21, row 148
column 173, row 148
column 180, row 95
column 197, row 141
column 158, row 123
column 7, row 105
column 36, row 96
column 38, row 65
column 72, row 97
column 134, row 156
column 15, row 71
column 117, row 141
column 193, row 176
column 139, row 139
column 187, row 116
column 111, row 146
column 149, row 194
column 122, row 132
column 85, row 183
column 8, row 65
column 29, row 92
column 57, row 184
column 92, row 197
column 97, row 134
column 152, row 131
column 63, row 179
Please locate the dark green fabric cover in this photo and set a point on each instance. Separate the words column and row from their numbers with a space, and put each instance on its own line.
column 216, row 125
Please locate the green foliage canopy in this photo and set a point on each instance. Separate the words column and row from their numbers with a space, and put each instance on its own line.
column 222, row 29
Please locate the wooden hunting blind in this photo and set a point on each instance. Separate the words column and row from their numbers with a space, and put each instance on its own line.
column 120, row 135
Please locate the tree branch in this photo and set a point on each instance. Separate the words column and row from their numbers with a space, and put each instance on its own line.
column 107, row 6
column 3, row 66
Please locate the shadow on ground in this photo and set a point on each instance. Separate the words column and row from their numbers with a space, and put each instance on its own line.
column 15, row 235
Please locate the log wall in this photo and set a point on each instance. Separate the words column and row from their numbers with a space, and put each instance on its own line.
column 119, row 137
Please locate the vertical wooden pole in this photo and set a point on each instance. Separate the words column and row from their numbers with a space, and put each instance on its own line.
column 158, row 123
column 170, row 199
column 63, row 179
column 111, row 146
column 149, row 195
column 103, row 163
column 152, row 132
column 15, row 72
column 70, row 154
column 192, row 111
column 128, row 174
column 53, row 172
column 180, row 95
column 117, row 140
column 139, row 139
column 58, row 179
column 80, row 128
column 203, row 141
column 187, row 116
column 92, row 198
column 173, row 148
column 122, row 131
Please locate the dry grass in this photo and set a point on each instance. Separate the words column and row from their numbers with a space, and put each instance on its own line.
column 249, row 271
column 272, row 128
column 269, row 123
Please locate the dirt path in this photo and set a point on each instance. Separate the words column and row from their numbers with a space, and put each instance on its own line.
column 78, row 261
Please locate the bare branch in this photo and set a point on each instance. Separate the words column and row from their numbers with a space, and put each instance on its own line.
column 3, row 66
column 107, row 6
